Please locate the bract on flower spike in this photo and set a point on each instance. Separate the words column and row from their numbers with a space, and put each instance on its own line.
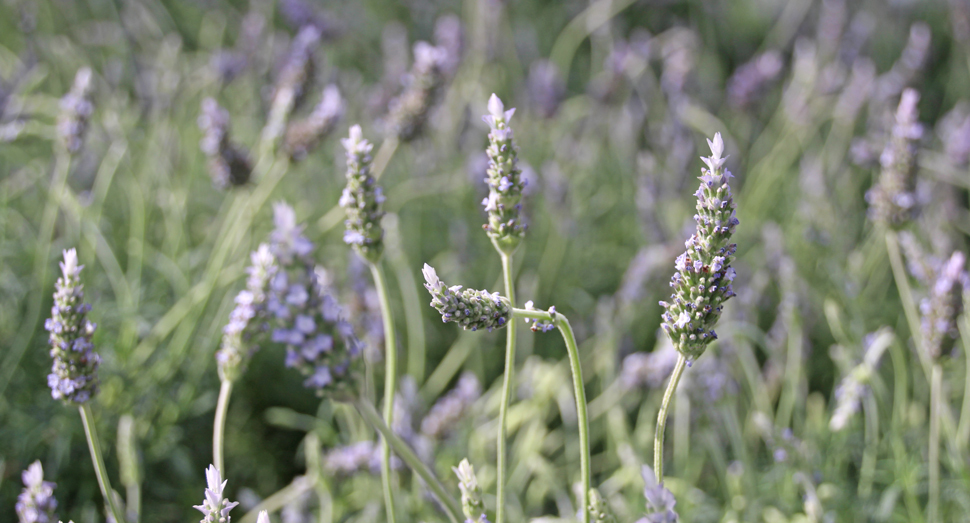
column 363, row 199
column 892, row 201
column 319, row 342
column 704, row 274
column 74, row 374
column 76, row 110
column 408, row 113
column 304, row 135
column 228, row 163
column 472, row 309
column 215, row 508
column 36, row 502
column 504, row 179
column 249, row 318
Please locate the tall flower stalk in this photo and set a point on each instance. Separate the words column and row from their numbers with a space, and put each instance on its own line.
column 74, row 374
column 363, row 201
column 702, row 282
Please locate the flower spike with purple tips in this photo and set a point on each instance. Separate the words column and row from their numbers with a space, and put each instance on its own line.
column 472, row 309
column 74, row 374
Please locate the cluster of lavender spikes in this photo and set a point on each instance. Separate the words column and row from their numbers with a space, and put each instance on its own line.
column 248, row 319
column 319, row 342
column 470, row 308
column 228, row 164
column 215, row 508
column 36, row 502
column 472, row 504
column 76, row 110
column 408, row 113
column 74, row 374
column 304, row 135
column 892, row 201
column 363, row 199
column 704, row 274
column 504, row 179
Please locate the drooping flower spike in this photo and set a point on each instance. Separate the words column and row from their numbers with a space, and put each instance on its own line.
column 470, row 308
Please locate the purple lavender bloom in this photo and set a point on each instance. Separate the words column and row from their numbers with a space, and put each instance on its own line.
column 752, row 79
column 74, row 373
column 939, row 310
column 228, row 163
column 215, row 508
column 76, row 110
column 702, row 282
column 408, row 113
column 472, row 309
column 892, row 200
column 36, row 502
column 660, row 501
column 505, row 226
column 449, row 410
column 249, row 318
column 304, row 135
column 362, row 199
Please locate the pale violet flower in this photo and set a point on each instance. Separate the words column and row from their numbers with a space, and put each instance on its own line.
column 215, row 508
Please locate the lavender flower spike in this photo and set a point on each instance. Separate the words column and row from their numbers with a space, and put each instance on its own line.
column 303, row 136
column 469, row 308
column 408, row 113
column 76, row 109
column 36, row 503
column 942, row 307
column 228, row 163
column 362, row 199
column 74, row 374
column 505, row 182
column 471, row 493
column 215, row 507
column 660, row 501
column 892, row 201
column 248, row 319
column 704, row 274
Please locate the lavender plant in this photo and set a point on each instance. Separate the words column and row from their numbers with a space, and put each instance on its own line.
column 76, row 109
column 36, row 502
column 229, row 164
column 408, row 113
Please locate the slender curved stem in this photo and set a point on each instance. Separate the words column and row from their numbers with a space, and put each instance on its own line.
column 383, row 157
column 390, row 385
column 658, row 439
column 370, row 415
column 869, row 454
column 219, row 426
column 936, row 385
column 906, row 296
column 501, row 451
column 575, row 366
column 94, row 445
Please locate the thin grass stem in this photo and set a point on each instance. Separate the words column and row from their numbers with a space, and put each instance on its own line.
column 94, row 445
column 936, row 387
column 390, row 385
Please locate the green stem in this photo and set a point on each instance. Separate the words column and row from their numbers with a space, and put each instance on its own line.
column 506, row 394
column 370, row 415
column 383, row 157
column 906, row 296
column 390, row 385
column 658, row 438
column 94, row 445
column 219, row 426
column 963, row 428
column 575, row 366
column 936, row 385
column 870, row 453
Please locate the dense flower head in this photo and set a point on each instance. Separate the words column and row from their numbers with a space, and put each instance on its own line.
column 471, row 493
column 76, row 110
column 74, row 374
column 319, row 342
column 215, row 508
column 472, row 309
column 249, row 318
column 892, row 201
column 363, row 199
column 228, row 163
column 599, row 510
column 36, row 502
column 504, row 179
column 304, row 135
column 660, row 501
column 448, row 410
column 704, row 274
column 940, row 309
column 291, row 84
column 408, row 113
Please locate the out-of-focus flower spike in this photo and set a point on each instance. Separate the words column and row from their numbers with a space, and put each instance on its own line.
column 229, row 164
column 303, row 136
column 76, row 110
column 36, row 502
column 408, row 113
column 892, row 201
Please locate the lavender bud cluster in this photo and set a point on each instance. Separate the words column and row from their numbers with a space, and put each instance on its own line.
column 74, row 374
column 940, row 309
column 248, row 319
column 704, row 274
column 303, row 136
column 448, row 410
column 215, row 508
column 472, row 309
column 540, row 325
column 892, row 200
column 76, row 110
column 504, row 179
column 228, row 163
column 599, row 510
column 660, row 501
column 36, row 502
column 408, row 113
column 363, row 199
column 471, row 493
column 291, row 84
column 319, row 342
